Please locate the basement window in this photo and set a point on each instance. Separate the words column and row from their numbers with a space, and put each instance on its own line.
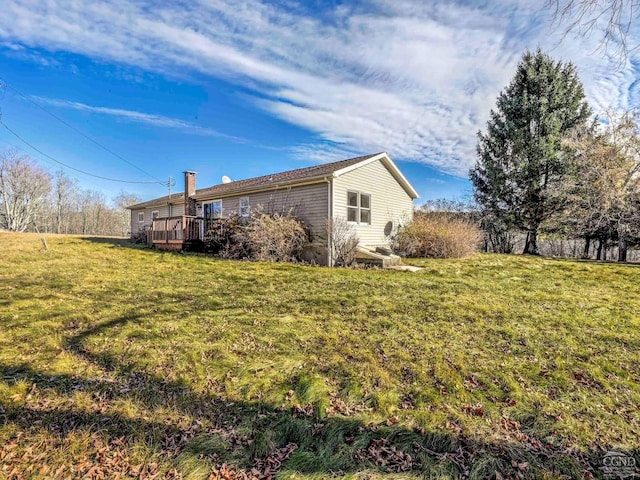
column 141, row 216
column 359, row 208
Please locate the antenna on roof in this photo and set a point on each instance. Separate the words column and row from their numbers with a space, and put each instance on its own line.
column 226, row 179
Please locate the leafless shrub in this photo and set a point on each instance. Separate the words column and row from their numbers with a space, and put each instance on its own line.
column 226, row 238
column 267, row 237
column 437, row 235
column 139, row 237
column 276, row 238
column 343, row 240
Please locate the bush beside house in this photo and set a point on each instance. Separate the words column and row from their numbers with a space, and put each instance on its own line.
column 265, row 237
column 438, row 235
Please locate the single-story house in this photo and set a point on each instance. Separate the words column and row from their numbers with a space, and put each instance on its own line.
column 369, row 192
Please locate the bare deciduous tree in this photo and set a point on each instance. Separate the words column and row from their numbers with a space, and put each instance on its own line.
column 96, row 217
column 64, row 193
column 24, row 187
column 605, row 193
column 613, row 17
column 121, row 202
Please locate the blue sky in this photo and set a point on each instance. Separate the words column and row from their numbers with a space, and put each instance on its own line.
column 249, row 87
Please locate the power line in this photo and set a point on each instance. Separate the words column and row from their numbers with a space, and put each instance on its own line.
column 79, row 132
column 69, row 166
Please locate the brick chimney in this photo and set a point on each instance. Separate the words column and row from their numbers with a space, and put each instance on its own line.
column 189, row 192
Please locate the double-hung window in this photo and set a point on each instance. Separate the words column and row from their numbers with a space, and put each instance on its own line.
column 141, row 216
column 359, row 208
column 245, row 207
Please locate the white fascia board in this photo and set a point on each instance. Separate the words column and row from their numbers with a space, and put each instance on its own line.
column 384, row 158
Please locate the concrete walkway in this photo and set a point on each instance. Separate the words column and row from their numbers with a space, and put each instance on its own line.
column 405, row 268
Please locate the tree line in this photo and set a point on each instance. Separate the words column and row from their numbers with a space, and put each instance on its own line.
column 548, row 166
column 32, row 198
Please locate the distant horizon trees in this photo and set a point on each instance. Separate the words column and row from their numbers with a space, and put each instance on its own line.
column 31, row 197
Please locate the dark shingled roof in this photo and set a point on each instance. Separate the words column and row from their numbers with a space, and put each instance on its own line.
column 175, row 198
column 282, row 178
column 290, row 176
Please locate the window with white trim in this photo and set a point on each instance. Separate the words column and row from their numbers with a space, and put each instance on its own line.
column 245, row 207
column 155, row 214
column 359, row 208
column 141, row 216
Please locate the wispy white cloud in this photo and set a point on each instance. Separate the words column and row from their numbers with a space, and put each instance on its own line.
column 324, row 152
column 414, row 78
column 16, row 50
column 142, row 118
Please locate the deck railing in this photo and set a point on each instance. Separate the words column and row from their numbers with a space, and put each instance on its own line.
column 176, row 229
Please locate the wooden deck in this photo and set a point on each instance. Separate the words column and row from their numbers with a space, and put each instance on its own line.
column 173, row 233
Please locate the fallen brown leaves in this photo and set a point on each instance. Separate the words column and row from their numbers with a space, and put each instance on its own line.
column 268, row 466
column 512, row 430
column 384, row 454
column 338, row 406
column 475, row 410
column 408, row 402
column 111, row 454
column 301, row 411
column 104, row 460
column 585, row 380
column 264, row 468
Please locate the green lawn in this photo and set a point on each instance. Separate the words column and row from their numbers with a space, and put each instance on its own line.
column 117, row 360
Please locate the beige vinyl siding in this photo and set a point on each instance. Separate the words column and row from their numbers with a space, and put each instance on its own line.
column 136, row 225
column 307, row 202
column 389, row 201
column 163, row 211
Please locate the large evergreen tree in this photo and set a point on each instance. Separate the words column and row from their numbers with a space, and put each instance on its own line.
column 520, row 164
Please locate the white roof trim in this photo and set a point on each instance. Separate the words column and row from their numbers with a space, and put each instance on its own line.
column 384, row 158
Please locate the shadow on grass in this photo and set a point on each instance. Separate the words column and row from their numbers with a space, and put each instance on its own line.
column 257, row 439
column 119, row 241
column 593, row 261
column 126, row 242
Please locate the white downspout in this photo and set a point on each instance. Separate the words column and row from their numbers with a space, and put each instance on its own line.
column 329, row 181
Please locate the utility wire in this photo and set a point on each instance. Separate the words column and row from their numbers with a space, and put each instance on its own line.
column 3, row 82
column 69, row 166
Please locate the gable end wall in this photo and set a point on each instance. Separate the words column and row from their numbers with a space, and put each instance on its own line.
column 389, row 201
